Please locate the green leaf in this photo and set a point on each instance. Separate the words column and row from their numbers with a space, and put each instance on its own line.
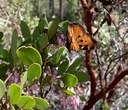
column 2, row 88
column 43, row 41
column 82, row 77
column 3, row 69
column 25, row 30
column 4, row 55
column 64, row 26
column 76, row 64
column 41, row 104
column 63, row 67
column 1, row 36
column 14, row 47
column 46, row 53
column 42, row 24
column 52, row 27
column 82, row 98
column 14, row 93
column 29, row 55
column 105, row 106
column 34, row 71
column 68, row 92
column 70, row 80
column 36, row 34
column 46, row 80
column 56, row 57
column 12, row 108
column 23, row 78
column 26, row 102
column 27, row 42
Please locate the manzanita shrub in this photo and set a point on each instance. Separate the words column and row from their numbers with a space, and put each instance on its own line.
column 34, row 61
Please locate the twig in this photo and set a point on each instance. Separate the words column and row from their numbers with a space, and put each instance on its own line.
column 119, row 57
column 10, row 75
column 99, row 68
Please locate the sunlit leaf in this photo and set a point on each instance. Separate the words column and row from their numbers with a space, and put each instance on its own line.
column 34, row 71
column 26, row 102
column 2, row 88
column 14, row 93
column 23, row 78
column 40, row 103
column 70, row 80
column 68, row 92
column 29, row 55
column 105, row 106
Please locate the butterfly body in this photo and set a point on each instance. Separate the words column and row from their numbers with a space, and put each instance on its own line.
column 77, row 38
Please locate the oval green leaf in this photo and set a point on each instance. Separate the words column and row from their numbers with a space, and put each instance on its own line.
column 76, row 64
column 56, row 57
column 23, row 79
column 41, row 104
column 70, row 80
column 42, row 24
column 26, row 102
column 53, row 26
column 68, row 92
column 82, row 77
column 63, row 67
column 14, row 93
column 14, row 47
column 34, row 71
column 25, row 30
column 2, row 88
column 43, row 41
column 29, row 55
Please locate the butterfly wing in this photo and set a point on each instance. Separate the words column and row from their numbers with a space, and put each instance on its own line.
column 77, row 38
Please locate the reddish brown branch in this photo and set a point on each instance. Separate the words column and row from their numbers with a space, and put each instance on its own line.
column 111, row 86
column 88, row 12
column 91, row 72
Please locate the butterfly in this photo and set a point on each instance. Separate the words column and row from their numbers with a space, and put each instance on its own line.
column 78, row 39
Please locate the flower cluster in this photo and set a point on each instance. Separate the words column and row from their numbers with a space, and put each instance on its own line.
column 69, row 100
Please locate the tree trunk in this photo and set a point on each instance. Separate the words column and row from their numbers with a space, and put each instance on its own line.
column 51, row 8
column 61, row 9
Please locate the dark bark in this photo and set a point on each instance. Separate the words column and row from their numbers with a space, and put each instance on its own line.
column 61, row 9
column 51, row 8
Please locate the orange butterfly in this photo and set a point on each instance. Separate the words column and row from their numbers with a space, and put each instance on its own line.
column 78, row 39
